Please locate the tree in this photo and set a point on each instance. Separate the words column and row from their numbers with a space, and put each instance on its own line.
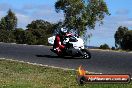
column 41, row 24
column 119, row 35
column 7, row 36
column 9, row 22
column 24, row 37
column 41, row 30
column 40, row 35
column 19, row 36
column 30, row 38
column 104, row 46
column 113, row 48
column 57, row 27
column 3, row 24
column 82, row 14
column 127, row 40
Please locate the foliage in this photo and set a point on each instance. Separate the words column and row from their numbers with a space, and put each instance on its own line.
column 40, row 35
column 37, row 33
column 30, row 38
column 82, row 14
column 9, row 22
column 41, row 24
column 123, row 38
column 119, row 35
column 7, row 36
column 41, row 30
column 113, row 48
column 104, row 46
column 127, row 40
column 3, row 24
column 86, row 37
column 19, row 36
column 57, row 27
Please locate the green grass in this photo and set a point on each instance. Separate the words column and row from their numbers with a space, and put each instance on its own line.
column 21, row 75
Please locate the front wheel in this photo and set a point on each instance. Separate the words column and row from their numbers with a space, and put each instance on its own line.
column 86, row 54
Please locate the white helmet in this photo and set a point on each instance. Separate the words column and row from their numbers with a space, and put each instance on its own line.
column 63, row 31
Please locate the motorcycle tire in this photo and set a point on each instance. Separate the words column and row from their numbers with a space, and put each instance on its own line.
column 81, row 80
column 86, row 54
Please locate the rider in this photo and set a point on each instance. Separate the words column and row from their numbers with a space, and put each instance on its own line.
column 58, row 43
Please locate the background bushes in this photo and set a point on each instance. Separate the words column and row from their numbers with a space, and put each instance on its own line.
column 37, row 31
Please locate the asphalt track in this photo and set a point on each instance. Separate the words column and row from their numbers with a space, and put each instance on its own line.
column 106, row 62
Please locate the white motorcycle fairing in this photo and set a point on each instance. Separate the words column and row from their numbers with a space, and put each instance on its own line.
column 79, row 44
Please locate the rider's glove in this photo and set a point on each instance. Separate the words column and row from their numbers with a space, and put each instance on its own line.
column 66, row 40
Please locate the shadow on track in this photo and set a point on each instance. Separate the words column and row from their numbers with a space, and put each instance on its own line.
column 51, row 56
column 48, row 56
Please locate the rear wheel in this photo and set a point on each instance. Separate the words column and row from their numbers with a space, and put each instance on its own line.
column 86, row 54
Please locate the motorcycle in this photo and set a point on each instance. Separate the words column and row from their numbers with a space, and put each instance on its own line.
column 74, row 47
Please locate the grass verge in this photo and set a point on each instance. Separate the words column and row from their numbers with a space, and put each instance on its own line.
column 21, row 75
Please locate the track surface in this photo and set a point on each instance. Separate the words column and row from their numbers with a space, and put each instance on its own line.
column 101, row 61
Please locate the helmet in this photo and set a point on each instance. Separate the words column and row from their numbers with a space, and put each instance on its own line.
column 63, row 31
